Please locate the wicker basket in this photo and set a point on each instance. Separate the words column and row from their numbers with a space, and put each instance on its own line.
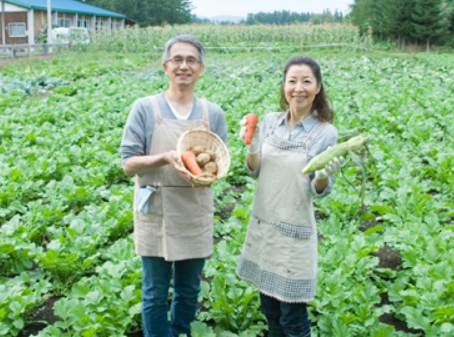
column 211, row 141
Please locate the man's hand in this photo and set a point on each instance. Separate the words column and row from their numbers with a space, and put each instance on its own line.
column 332, row 167
column 174, row 159
column 254, row 146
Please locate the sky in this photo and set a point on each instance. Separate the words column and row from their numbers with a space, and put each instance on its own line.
column 210, row 8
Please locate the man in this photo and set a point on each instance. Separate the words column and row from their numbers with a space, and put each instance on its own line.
column 173, row 218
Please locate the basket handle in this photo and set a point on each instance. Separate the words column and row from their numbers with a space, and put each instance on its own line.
column 207, row 126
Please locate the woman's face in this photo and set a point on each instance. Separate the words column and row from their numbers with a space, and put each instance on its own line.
column 300, row 88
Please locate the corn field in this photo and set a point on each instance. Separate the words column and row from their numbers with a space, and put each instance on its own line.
column 297, row 35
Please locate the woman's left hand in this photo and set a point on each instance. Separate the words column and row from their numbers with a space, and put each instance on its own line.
column 332, row 167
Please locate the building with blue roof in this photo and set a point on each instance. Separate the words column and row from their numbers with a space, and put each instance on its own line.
column 23, row 20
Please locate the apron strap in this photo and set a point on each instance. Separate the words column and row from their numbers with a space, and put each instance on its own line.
column 156, row 110
column 273, row 122
column 205, row 110
column 314, row 134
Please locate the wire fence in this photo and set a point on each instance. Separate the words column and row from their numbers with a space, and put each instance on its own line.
column 30, row 50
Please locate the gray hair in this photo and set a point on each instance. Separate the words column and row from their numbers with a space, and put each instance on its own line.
column 187, row 38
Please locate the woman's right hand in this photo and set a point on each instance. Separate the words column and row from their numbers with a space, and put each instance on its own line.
column 254, row 146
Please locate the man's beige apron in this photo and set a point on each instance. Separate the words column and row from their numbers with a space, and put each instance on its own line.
column 280, row 252
column 179, row 223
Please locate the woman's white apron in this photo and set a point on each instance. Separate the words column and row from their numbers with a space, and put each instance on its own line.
column 280, row 252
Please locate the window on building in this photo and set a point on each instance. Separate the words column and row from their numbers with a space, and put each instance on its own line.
column 82, row 23
column 64, row 22
column 114, row 25
column 17, row 29
column 99, row 25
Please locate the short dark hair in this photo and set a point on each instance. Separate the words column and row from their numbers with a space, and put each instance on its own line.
column 321, row 101
column 187, row 38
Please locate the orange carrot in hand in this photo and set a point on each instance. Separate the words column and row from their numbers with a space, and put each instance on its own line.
column 251, row 124
column 190, row 162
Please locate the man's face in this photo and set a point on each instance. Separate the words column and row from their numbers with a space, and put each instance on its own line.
column 183, row 67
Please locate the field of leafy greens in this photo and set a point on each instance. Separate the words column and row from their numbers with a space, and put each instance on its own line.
column 67, row 264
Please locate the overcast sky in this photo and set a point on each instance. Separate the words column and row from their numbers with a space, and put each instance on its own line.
column 209, row 8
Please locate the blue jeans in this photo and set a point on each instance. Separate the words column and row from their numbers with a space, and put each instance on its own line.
column 157, row 274
column 292, row 317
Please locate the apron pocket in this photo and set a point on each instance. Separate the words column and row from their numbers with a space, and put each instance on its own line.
column 187, row 210
column 188, row 222
column 154, row 211
column 295, row 231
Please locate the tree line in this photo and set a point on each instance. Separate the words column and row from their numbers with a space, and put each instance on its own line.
column 149, row 12
column 406, row 21
column 157, row 12
column 287, row 17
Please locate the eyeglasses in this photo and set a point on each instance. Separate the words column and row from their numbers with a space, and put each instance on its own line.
column 178, row 61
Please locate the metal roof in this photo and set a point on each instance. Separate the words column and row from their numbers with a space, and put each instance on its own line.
column 67, row 6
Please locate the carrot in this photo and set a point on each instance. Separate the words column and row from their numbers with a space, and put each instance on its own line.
column 190, row 162
column 251, row 124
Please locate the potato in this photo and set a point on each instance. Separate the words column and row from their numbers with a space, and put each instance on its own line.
column 202, row 159
column 212, row 155
column 211, row 167
column 198, row 149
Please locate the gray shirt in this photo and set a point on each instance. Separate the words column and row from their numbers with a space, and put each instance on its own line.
column 138, row 131
column 299, row 133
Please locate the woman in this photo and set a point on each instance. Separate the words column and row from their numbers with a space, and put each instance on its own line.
column 280, row 252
